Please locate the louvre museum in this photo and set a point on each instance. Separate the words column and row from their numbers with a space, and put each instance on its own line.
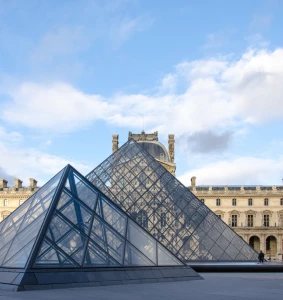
column 130, row 212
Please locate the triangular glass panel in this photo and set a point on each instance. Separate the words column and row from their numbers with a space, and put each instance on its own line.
column 135, row 258
column 3, row 252
column 84, row 191
column 165, row 258
column 142, row 241
column 19, row 260
column 77, row 214
column 185, row 215
column 113, row 216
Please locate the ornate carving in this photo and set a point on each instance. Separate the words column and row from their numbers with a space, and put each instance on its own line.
column 143, row 136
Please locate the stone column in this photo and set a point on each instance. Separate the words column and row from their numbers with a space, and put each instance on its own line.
column 262, row 243
column 3, row 183
column 33, row 183
column 171, row 146
column 18, row 183
column 115, row 142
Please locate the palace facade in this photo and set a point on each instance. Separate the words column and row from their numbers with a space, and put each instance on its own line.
column 254, row 212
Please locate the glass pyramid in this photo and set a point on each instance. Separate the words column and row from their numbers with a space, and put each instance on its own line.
column 70, row 223
column 166, row 209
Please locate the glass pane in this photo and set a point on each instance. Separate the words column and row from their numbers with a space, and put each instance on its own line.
column 114, row 217
column 77, row 215
column 65, row 197
column 85, row 192
column 95, row 256
column 57, row 228
column 73, row 244
column 36, row 211
column 142, row 240
column 3, row 252
column 166, row 259
column 18, row 214
column 135, row 258
column 19, row 260
column 54, row 258
column 24, row 237
column 48, row 189
column 108, row 239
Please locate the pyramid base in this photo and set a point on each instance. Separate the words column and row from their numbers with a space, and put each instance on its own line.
column 42, row 279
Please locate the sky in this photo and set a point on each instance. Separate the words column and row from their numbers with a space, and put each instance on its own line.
column 72, row 73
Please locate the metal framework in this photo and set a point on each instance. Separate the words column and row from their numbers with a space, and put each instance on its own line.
column 69, row 223
column 166, row 209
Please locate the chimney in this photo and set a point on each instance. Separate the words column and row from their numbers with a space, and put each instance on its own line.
column 18, row 183
column 115, row 142
column 193, row 181
column 3, row 183
column 33, row 183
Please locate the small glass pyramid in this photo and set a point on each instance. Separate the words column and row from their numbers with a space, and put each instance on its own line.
column 69, row 223
column 166, row 209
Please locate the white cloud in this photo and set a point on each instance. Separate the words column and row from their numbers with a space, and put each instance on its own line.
column 27, row 162
column 238, row 171
column 123, row 29
column 212, row 94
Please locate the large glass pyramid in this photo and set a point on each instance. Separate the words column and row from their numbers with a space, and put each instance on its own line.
column 69, row 223
column 165, row 208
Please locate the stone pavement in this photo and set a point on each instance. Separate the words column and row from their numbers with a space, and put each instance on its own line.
column 215, row 286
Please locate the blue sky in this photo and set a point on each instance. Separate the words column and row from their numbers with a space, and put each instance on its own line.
column 72, row 73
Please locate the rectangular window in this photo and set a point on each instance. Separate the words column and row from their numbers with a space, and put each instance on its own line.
column 219, row 216
column 217, row 202
column 234, row 220
column 266, row 201
column 266, row 220
column 250, row 202
column 202, row 200
column 250, row 220
column 234, row 202
column 21, row 202
column 6, row 202
column 281, row 201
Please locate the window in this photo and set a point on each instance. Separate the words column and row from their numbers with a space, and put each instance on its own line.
column 250, row 220
column 234, row 220
column 219, row 216
column 21, row 201
column 266, row 201
column 142, row 218
column 6, row 202
column 250, row 202
column 281, row 201
column 163, row 219
column 217, row 202
column 202, row 200
column 234, row 202
column 266, row 220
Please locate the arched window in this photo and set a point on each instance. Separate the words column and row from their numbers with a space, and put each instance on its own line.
column 21, row 202
column 234, row 202
column 250, row 202
column 218, row 202
column 266, row 201
column 6, row 202
column 163, row 219
column 142, row 218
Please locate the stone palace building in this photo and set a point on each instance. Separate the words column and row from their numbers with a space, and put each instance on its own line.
column 254, row 212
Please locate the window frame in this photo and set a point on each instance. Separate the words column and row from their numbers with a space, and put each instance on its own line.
column 218, row 202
